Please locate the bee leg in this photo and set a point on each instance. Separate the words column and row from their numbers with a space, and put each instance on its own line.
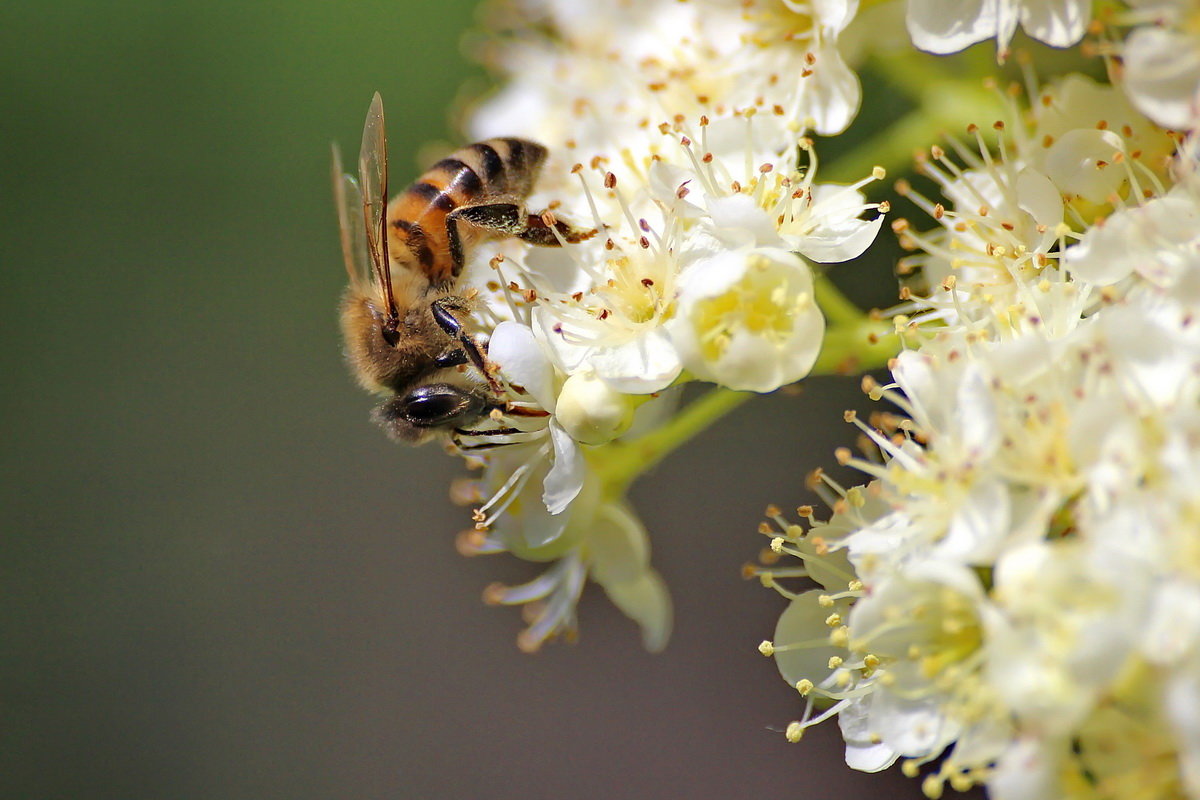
column 511, row 219
column 484, row 446
column 512, row 410
column 452, row 358
column 444, row 316
column 540, row 229
column 492, row 432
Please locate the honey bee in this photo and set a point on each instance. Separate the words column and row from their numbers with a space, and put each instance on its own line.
column 402, row 313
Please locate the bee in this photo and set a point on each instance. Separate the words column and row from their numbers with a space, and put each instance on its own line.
column 402, row 315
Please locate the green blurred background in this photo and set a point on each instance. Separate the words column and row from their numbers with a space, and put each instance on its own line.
column 219, row 580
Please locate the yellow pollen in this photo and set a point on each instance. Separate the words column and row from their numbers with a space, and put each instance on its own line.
column 761, row 303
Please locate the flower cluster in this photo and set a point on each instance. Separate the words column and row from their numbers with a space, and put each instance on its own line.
column 676, row 131
column 1013, row 599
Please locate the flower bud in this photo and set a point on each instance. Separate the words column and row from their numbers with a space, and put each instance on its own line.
column 591, row 411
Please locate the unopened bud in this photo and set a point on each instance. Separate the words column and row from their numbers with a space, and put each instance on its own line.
column 591, row 411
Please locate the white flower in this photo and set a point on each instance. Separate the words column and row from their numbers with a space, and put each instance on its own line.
column 697, row 269
column 593, row 78
column 539, row 500
column 1026, row 582
column 1001, row 230
column 1162, row 62
column 1029, row 770
column 1071, row 615
column 1160, row 240
column 1092, row 143
column 899, row 662
column 602, row 540
column 947, row 26
column 747, row 319
column 522, row 362
column 615, row 328
column 618, row 554
column 674, row 130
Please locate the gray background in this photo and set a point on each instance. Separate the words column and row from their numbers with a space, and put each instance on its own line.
column 219, row 581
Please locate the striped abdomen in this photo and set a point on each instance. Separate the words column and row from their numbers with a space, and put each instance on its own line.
column 474, row 175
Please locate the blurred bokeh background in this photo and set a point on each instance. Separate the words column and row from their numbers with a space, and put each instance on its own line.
column 218, row 579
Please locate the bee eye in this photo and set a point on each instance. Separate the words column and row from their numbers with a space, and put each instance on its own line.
column 430, row 409
column 429, row 406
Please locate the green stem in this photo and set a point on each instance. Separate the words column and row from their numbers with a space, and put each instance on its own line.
column 622, row 462
column 863, row 345
column 943, row 104
column 836, row 307
column 859, row 344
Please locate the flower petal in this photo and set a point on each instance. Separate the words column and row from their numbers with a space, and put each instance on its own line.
column 522, row 361
column 645, row 600
column 947, row 26
column 565, row 478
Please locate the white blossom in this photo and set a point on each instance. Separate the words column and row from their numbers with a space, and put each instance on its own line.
column 1162, row 62
column 1159, row 240
column 748, row 319
column 591, row 77
column 947, row 26
column 675, row 132
column 1023, row 599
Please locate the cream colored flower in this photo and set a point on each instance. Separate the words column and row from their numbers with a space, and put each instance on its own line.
column 947, row 26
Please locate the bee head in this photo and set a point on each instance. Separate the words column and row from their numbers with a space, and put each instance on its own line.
column 416, row 416
column 384, row 353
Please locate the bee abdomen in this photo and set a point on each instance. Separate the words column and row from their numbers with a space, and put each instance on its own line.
column 473, row 175
column 505, row 166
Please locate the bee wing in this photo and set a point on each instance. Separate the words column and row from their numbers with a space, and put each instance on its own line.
column 372, row 172
column 349, row 201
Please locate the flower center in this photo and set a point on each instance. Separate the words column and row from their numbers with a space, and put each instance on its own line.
column 764, row 303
